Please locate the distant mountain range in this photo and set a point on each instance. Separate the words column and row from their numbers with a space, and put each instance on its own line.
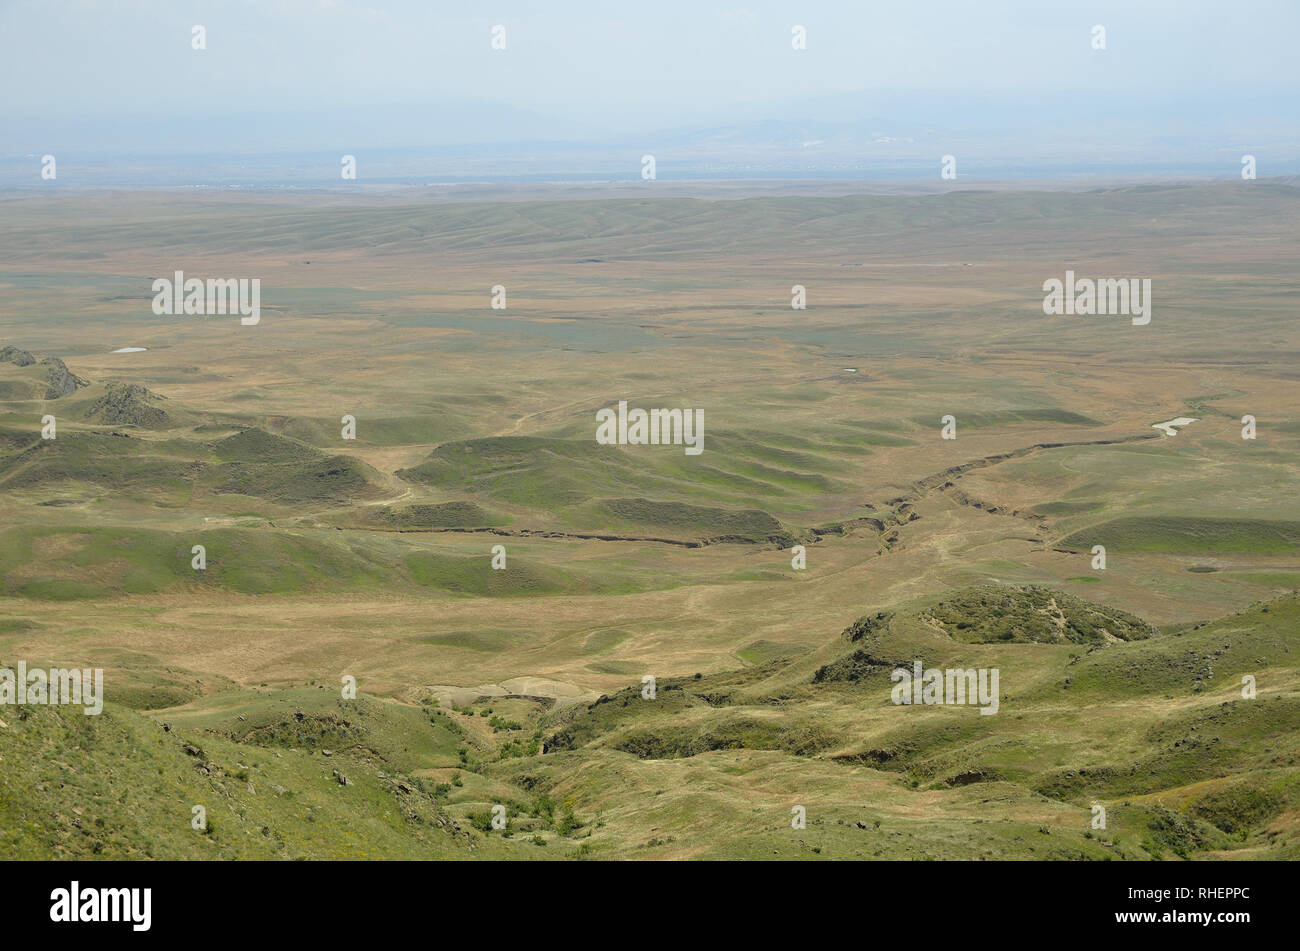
column 860, row 135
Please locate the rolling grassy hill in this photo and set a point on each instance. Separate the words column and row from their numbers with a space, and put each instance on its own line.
column 1154, row 729
column 372, row 557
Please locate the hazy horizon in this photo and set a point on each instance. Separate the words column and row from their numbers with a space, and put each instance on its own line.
column 578, row 94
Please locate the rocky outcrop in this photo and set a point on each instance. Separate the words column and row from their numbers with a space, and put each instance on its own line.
column 129, row 405
column 17, row 357
column 60, row 381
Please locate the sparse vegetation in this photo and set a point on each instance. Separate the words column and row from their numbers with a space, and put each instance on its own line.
column 523, row 686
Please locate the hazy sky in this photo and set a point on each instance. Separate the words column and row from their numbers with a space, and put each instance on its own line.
column 623, row 64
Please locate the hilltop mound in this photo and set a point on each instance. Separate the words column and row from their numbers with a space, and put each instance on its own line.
column 317, row 479
column 441, row 515
column 978, row 615
column 302, row 718
column 257, row 445
column 261, row 464
column 127, row 404
column 696, row 521
column 1031, row 615
column 116, row 462
column 526, row 470
column 637, row 490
